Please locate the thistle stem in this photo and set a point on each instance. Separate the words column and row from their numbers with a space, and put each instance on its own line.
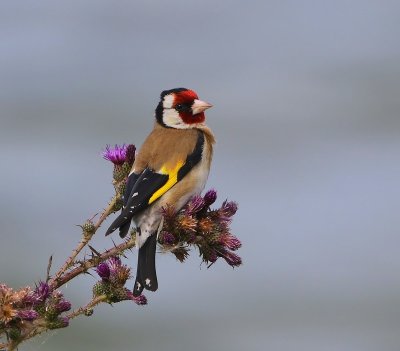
column 81, row 310
column 106, row 212
column 87, row 264
column 84, row 241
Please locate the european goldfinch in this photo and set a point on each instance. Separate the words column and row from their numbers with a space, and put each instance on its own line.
column 171, row 166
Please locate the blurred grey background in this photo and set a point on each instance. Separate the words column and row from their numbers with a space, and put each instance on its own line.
column 306, row 97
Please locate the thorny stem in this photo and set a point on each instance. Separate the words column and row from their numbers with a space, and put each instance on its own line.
column 91, row 304
column 87, row 264
column 73, row 267
column 106, row 212
column 54, row 282
column 62, row 278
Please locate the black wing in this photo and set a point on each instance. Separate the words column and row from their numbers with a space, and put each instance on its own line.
column 136, row 197
column 133, row 177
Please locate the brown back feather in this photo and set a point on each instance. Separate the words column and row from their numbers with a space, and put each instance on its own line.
column 167, row 146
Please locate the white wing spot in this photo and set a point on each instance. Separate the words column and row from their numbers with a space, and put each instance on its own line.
column 125, row 217
column 132, row 206
column 135, row 194
column 138, row 285
column 148, row 281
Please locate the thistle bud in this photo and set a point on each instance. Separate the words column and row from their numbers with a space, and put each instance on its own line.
column 119, row 173
column 195, row 204
column 120, row 187
column 63, row 306
column 103, row 271
column 51, row 312
column 88, row 228
column 210, row 197
column 42, row 291
column 61, row 322
column 88, row 312
column 101, row 288
column 230, row 241
column 126, row 168
column 118, row 295
column 227, row 210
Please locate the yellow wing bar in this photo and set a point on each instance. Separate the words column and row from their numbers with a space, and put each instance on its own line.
column 172, row 180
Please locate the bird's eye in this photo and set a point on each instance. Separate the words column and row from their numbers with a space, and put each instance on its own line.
column 179, row 107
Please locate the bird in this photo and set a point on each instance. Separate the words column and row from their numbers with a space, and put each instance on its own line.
column 171, row 167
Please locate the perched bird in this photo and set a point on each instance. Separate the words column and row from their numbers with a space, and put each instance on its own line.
column 171, row 166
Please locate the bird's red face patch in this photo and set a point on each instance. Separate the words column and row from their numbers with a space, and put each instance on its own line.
column 183, row 102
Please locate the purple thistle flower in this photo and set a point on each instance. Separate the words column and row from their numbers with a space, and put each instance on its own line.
column 103, row 270
column 140, row 300
column 116, row 155
column 130, row 153
column 28, row 315
column 114, row 263
column 231, row 258
column 63, row 306
column 227, row 210
column 42, row 292
column 229, row 207
column 230, row 241
column 31, row 299
column 167, row 238
column 210, row 197
column 195, row 204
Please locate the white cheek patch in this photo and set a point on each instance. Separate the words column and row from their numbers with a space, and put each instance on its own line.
column 171, row 118
column 168, row 101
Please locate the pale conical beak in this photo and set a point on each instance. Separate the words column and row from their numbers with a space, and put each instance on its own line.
column 200, row 106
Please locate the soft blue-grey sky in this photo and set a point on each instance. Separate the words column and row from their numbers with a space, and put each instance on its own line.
column 306, row 114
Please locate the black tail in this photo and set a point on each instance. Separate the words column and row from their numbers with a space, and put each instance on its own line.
column 146, row 276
